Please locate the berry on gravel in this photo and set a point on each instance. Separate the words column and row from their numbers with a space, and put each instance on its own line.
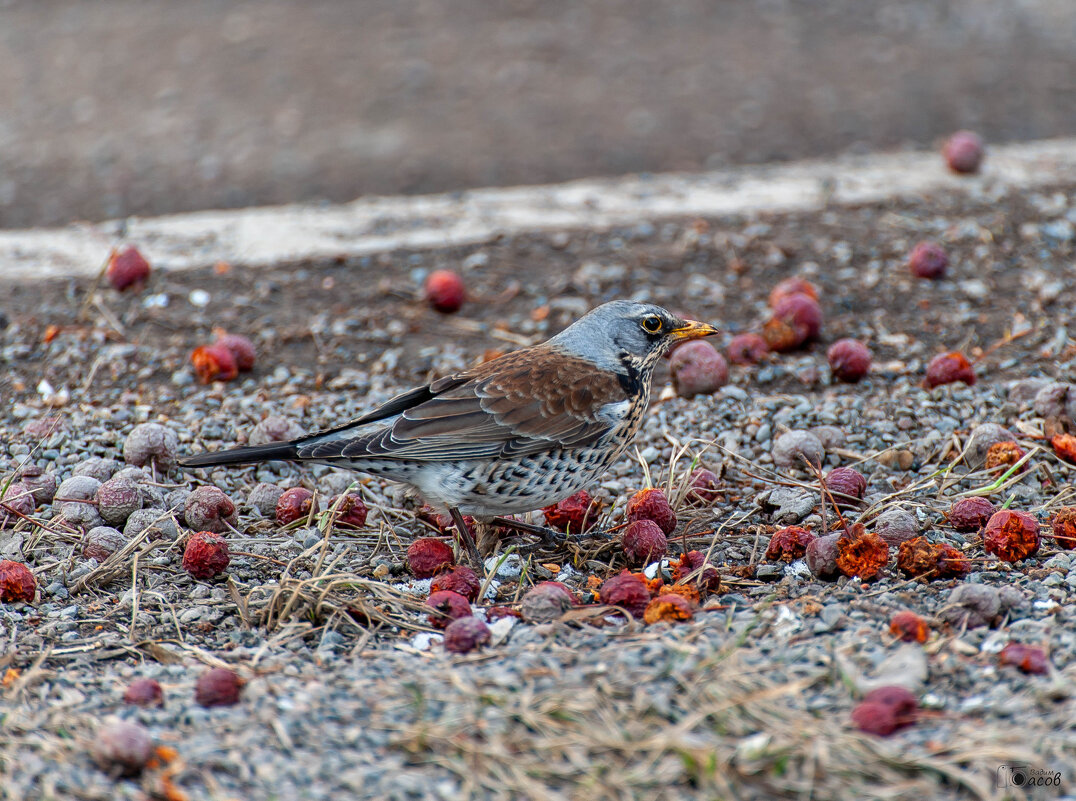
column 970, row 514
column 849, row 360
column 687, row 570
column 127, row 269
column 862, row 554
column 1063, row 525
column 445, row 291
column 214, row 363
column 626, row 590
column 446, row 606
column 792, row 286
column 574, row 514
column 151, row 443
column 747, row 349
column 545, row 603
column 144, row 692
column 428, row 556
column 789, row 544
column 651, row 504
column 209, row 509
column 928, row 260
column 101, row 542
column 963, row 152
column 821, row 557
column 218, row 687
column 295, row 504
column 948, row 368
column 17, row 583
column 643, row 542
column 1003, row 455
column 1028, row 658
column 1011, row 535
column 241, row 348
column 465, row 634
column 458, row 578
column 702, row 487
column 206, row 555
column 847, row 485
column 122, row 747
column 697, row 369
column 668, row 608
column 908, row 627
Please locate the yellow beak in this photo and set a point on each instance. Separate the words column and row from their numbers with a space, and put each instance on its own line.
column 692, row 329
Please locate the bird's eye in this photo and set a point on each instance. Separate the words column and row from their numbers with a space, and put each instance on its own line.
column 652, row 324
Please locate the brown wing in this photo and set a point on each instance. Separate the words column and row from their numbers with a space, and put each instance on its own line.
column 523, row 402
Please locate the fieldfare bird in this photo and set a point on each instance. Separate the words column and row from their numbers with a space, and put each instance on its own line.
column 514, row 434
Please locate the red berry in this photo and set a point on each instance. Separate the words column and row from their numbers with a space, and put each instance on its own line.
column 295, row 504
column 747, row 349
column 1011, row 535
column 465, row 634
column 709, row 580
column 702, row 487
column 444, row 291
column 697, row 369
column 241, row 348
column 144, row 692
column 1064, row 446
column 963, row 152
column 792, row 286
column 218, row 687
column 928, row 260
column 446, row 606
column 206, row 555
column 970, row 514
column 948, row 368
column 101, row 542
column 428, row 556
column 643, row 542
column 17, row 583
column 351, row 512
column 1063, row 524
column 909, row 627
column 651, row 504
column 847, row 482
column 1027, row 658
column 127, row 269
column 628, row 591
column 952, row 563
column 1003, row 455
column 919, row 557
column 458, row 578
column 789, row 544
column 849, row 360
column 800, row 311
column 875, row 718
column 576, row 513
column 214, row 363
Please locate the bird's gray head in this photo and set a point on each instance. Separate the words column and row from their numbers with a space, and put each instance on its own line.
column 627, row 335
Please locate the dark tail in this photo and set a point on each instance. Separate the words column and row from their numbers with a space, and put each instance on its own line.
column 273, row 451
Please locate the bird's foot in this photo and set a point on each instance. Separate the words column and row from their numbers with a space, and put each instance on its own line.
column 467, row 539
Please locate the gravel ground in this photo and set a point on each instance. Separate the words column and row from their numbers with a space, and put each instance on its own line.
column 348, row 691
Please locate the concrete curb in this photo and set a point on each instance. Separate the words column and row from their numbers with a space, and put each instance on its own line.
column 271, row 235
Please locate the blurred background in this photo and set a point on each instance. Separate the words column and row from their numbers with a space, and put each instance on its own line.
column 112, row 108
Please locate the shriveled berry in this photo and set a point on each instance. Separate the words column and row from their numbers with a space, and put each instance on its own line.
column 918, row 557
column 497, row 612
column 796, row 448
column 687, row 570
column 101, row 542
column 1063, row 525
column 1003, row 455
column 847, row 485
column 626, row 590
column 697, row 369
column 214, row 363
column 458, row 578
column 42, row 485
column 928, row 260
column 793, row 285
column 127, row 269
column 952, row 563
column 295, row 504
column 1028, row 658
column 862, row 554
column 206, row 555
column 1064, row 446
column 948, row 368
column 1011, row 535
column 144, row 692
column 117, row 499
column 17, row 583
column 668, row 608
column 970, row 514
column 747, row 349
column 158, row 524
column 702, row 487
column 651, row 504
column 908, row 627
column 264, row 498
column 875, row 718
column 963, row 152
column 151, row 443
column 18, row 500
column 983, row 437
column 971, row 606
column 643, row 542
column 351, row 512
column 789, row 544
column 241, row 348
column 445, row 291
column 274, row 428
column 465, row 634
column 576, row 513
column 209, row 509
column 895, row 526
column 446, row 606
column 821, row 557
column 218, row 687
column 544, row 603
column 122, row 747
column 428, row 556
column 849, row 360
column 444, row 523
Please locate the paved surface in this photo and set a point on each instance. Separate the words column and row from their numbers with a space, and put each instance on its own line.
column 114, row 108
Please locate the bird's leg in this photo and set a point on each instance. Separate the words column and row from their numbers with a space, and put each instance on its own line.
column 466, row 538
column 547, row 534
